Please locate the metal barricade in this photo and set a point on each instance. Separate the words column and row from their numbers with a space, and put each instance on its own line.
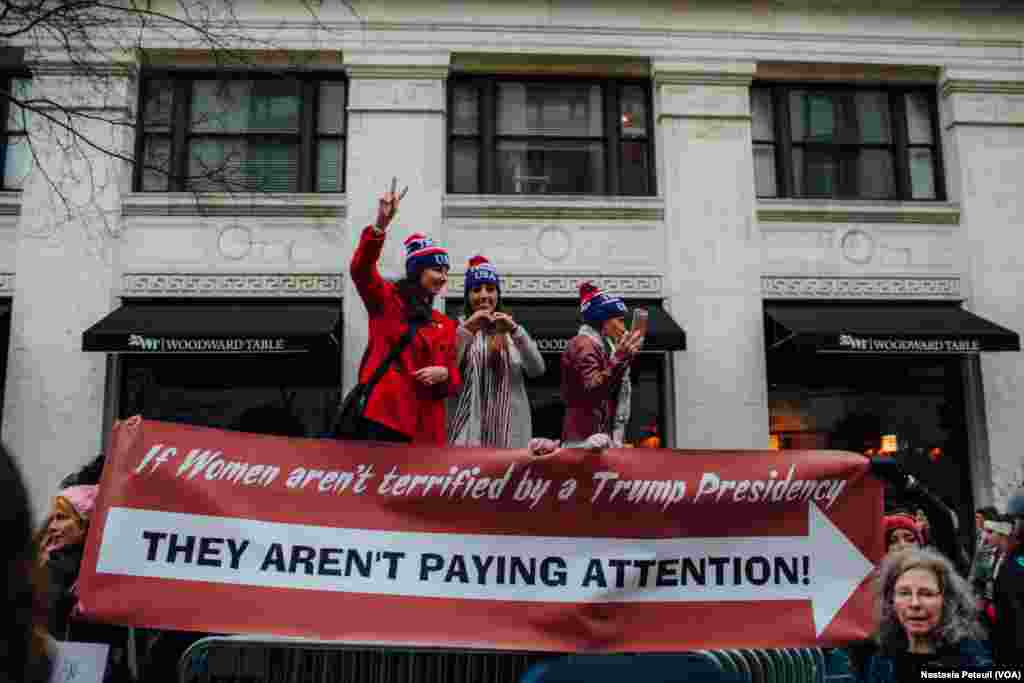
column 248, row 659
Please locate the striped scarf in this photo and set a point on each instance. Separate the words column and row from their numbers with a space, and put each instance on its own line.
column 487, row 386
column 618, row 422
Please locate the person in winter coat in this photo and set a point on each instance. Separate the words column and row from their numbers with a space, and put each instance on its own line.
column 494, row 354
column 24, row 645
column 408, row 404
column 1008, row 590
column 61, row 543
column 595, row 370
column 926, row 619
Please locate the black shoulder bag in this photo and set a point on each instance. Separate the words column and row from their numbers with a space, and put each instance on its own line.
column 348, row 421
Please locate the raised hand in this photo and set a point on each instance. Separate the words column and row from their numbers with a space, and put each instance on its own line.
column 387, row 205
column 504, row 322
column 631, row 343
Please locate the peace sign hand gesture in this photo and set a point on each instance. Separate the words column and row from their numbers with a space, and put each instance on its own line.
column 387, row 206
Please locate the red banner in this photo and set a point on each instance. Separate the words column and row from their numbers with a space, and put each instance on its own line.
column 630, row 550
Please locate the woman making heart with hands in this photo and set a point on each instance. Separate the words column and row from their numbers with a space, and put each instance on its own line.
column 494, row 354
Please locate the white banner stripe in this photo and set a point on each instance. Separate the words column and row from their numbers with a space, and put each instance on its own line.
column 138, row 543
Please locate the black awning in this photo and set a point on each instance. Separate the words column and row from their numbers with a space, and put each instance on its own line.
column 553, row 325
column 884, row 329
column 285, row 327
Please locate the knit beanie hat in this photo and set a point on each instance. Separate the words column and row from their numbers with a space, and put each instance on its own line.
column 597, row 306
column 481, row 271
column 421, row 252
column 82, row 498
column 901, row 521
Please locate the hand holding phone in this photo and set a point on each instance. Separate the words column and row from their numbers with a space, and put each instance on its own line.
column 639, row 321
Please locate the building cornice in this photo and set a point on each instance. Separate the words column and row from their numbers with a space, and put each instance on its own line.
column 860, row 288
column 186, row 285
column 769, row 211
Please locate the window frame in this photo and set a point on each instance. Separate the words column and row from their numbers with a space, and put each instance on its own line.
column 8, row 77
column 487, row 137
column 180, row 129
column 900, row 145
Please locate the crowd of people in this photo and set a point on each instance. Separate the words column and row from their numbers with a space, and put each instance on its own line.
column 434, row 380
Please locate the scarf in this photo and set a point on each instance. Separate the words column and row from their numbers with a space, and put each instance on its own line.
column 619, row 422
column 487, row 386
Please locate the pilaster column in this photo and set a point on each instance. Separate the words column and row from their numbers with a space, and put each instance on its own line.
column 65, row 259
column 983, row 139
column 707, row 180
column 396, row 111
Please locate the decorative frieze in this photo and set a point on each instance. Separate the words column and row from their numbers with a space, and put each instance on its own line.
column 226, row 285
column 797, row 287
column 567, row 286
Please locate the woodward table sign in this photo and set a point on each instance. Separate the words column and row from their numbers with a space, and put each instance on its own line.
column 628, row 550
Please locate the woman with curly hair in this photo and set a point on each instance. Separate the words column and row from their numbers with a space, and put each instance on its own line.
column 927, row 619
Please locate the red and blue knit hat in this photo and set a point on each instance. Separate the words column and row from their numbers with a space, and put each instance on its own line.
column 421, row 253
column 596, row 306
column 480, row 271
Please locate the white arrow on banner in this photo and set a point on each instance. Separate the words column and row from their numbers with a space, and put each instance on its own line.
column 823, row 567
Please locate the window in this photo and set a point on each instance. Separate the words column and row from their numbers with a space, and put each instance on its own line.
column 845, row 142
column 213, row 133
column 16, row 158
column 550, row 137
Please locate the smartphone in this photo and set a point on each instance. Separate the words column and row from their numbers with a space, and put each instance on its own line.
column 639, row 321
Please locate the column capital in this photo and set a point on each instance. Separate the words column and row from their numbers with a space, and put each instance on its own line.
column 982, row 98
column 397, row 65
column 703, row 72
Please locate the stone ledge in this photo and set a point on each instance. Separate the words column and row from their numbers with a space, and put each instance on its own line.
column 203, row 204
column 815, row 211
column 559, row 207
column 959, row 86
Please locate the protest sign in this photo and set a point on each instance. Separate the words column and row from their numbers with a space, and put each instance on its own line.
column 628, row 550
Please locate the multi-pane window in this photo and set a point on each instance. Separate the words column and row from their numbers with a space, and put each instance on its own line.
column 15, row 152
column 550, row 137
column 221, row 134
column 845, row 142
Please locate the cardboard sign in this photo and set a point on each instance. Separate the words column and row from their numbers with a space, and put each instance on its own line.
column 79, row 662
column 630, row 550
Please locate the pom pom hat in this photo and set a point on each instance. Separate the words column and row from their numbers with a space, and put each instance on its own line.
column 82, row 498
column 901, row 521
column 421, row 253
column 480, row 271
column 597, row 306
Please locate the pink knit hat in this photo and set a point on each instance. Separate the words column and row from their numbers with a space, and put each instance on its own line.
column 82, row 498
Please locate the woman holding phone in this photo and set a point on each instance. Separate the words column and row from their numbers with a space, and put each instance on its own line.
column 408, row 403
column 595, row 370
column 495, row 354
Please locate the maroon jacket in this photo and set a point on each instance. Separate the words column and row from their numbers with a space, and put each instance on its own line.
column 591, row 379
column 399, row 401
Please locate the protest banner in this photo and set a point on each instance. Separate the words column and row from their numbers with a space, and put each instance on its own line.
column 627, row 550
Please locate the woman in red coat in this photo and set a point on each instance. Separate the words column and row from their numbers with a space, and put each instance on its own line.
column 408, row 404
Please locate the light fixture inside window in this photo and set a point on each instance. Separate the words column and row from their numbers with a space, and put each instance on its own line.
column 773, row 442
column 627, row 120
column 889, row 444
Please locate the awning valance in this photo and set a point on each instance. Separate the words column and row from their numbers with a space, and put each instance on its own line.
column 553, row 325
column 285, row 327
column 884, row 329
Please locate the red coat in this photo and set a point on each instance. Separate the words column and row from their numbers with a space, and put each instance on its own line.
column 399, row 401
